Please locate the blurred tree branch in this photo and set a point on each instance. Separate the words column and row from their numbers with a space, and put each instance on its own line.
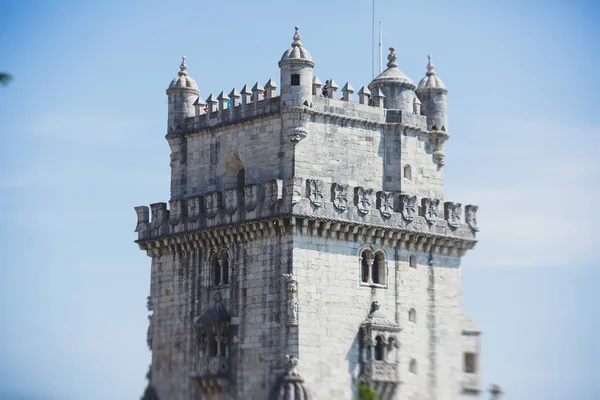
column 5, row 78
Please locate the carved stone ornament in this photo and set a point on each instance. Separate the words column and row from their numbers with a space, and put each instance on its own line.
column 272, row 192
column 452, row 213
column 231, row 200
column 250, row 197
column 362, row 199
column 315, row 191
column 292, row 300
column 408, row 206
column 296, row 134
column 211, row 203
column 291, row 283
column 175, row 159
column 430, row 209
column 176, row 211
column 295, row 187
column 339, row 196
column 159, row 215
column 471, row 216
column 193, row 204
column 385, row 203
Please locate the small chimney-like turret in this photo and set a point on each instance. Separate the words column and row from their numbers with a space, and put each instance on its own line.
column 296, row 66
column 182, row 93
column 396, row 87
column 432, row 93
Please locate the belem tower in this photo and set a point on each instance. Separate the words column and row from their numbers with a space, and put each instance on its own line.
column 307, row 250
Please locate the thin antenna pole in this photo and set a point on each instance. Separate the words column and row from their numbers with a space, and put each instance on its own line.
column 380, row 42
column 373, row 44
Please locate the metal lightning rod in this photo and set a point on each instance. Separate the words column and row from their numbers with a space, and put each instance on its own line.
column 373, row 44
column 380, row 44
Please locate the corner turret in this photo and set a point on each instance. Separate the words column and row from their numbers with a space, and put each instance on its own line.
column 432, row 93
column 182, row 92
column 396, row 87
column 296, row 67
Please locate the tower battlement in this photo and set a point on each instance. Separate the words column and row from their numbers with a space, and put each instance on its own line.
column 308, row 224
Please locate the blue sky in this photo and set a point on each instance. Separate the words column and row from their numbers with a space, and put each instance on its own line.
column 82, row 128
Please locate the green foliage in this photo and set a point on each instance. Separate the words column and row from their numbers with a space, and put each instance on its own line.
column 5, row 78
column 367, row 393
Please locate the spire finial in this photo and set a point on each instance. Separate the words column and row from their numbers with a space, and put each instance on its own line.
column 183, row 66
column 392, row 58
column 297, row 37
column 430, row 66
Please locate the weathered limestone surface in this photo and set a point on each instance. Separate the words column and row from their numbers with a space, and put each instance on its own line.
column 307, row 244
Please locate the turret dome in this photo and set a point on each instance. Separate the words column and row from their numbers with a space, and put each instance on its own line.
column 183, row 80
column 392, row 75
column 291, row 385
column 431, row 80
column 297, row 53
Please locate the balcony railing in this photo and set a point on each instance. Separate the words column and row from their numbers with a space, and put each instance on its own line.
column 379, row 371
column 471, row 382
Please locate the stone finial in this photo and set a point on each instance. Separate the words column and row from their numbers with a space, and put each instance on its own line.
column 392, row 58
column 258, row 92
column 378, row 97
column 416, row 106
column 271, row 88
column 199, row 105
column 234, row 95
column 363, row 94
column 246, row 95
column 347, row 92
column 430, row 66
column 316, row 86
column 212, row 103
column 297, row 37
column 183, row 66
column 331, row 86
column 223, row 100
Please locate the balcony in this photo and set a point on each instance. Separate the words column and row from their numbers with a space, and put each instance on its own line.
column 379, row 371
column 471, row 382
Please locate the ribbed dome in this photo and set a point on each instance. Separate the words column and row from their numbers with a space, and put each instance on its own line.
column 291, row 385
column 392, row 75
column 378, row 318
column 183, row 80
column 296, row 53
column 431, row 80
column 290, row 388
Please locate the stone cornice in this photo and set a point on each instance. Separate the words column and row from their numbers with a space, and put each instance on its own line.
column 307, row 225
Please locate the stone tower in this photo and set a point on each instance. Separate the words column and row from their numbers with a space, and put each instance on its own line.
column 307, row 250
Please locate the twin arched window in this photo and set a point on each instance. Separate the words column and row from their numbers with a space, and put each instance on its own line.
column 373, row 267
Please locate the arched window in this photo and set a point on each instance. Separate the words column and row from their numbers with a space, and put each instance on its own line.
column 412, row 315
column 412, row 366
column 216, row 269
column 219, row 263
column 379, row 269
column 231, row 172
column 379, row 349
column 373, row 267
column 365, row 262
column 412, row 261
column 407, row 172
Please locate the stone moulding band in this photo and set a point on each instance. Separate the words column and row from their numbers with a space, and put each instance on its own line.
column 306, row 225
